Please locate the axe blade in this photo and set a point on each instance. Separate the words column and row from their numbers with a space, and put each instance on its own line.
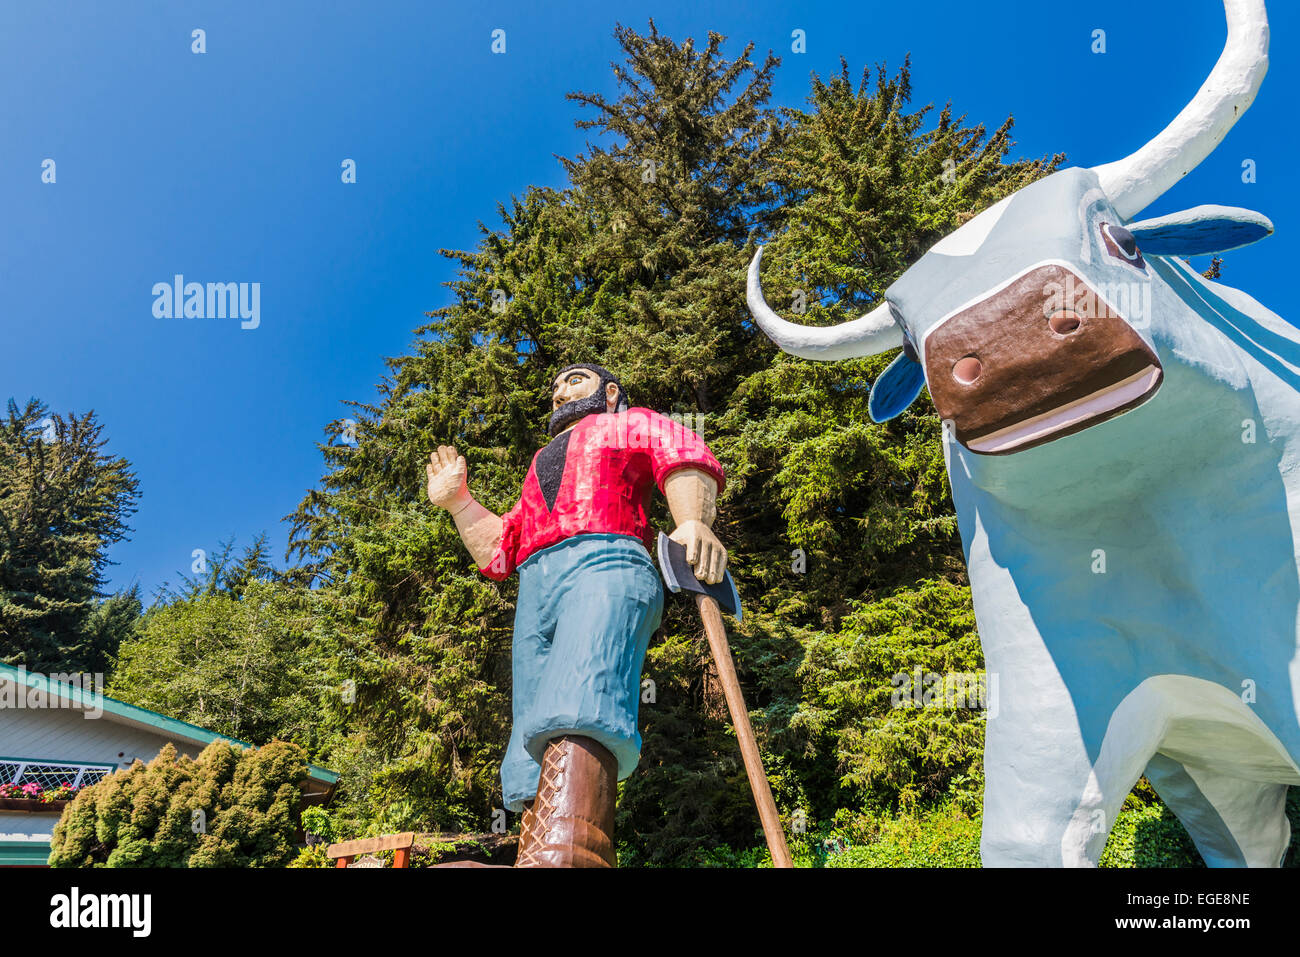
column 679, row 577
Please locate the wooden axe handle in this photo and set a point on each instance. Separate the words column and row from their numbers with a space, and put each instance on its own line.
column 716, row 632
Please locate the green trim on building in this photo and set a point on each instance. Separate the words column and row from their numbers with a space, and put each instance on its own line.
column 164, row 724
column 24, row 853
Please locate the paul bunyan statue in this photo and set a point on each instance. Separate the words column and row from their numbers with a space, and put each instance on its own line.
column 589, row 599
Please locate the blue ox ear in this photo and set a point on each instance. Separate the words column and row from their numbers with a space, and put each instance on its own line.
column 1201, row 230
column 896, row 389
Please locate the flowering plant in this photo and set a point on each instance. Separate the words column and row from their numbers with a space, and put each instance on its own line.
column 61, row 793
column 34, row 792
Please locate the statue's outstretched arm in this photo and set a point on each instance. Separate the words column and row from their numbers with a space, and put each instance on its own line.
column 479, row 528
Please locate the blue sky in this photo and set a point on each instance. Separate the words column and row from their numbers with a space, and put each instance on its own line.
column 225, row 167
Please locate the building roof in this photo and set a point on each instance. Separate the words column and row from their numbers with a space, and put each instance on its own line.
column 142, row 717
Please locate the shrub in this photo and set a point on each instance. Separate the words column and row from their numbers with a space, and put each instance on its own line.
column 230, row 807
column 313, row 856
column 1149, row 836
column 1146, row 834
column 941, row 836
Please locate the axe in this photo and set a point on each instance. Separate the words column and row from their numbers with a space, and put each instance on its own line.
column 679, row 577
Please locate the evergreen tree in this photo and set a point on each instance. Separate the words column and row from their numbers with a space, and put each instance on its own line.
column 639, row 264
column 240, row 651
column 63, row 502
column 109, row 625
column 224, row 574
column 681, row 186
column 862, row 510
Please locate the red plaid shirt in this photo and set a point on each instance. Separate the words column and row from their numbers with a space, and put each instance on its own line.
column 608, row 468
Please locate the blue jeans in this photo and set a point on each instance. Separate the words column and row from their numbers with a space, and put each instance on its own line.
column 587, row 608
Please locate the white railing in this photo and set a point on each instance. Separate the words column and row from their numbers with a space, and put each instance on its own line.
column 52, row 774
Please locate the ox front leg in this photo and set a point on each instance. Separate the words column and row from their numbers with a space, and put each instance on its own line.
column 1045, row 805
column 1046, row 802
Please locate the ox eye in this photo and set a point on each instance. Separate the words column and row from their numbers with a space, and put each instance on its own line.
column 1124, row 239
column 1121, row 244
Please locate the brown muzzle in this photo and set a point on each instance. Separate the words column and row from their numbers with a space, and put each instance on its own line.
column 1040, row 359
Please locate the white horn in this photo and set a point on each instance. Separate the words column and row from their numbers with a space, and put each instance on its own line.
column 1137, row 180
column 873, row 333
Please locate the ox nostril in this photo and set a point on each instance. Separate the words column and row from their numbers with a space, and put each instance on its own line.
column 1064, row 322
column 967, row 370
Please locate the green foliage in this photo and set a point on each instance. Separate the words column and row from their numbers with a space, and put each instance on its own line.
column 63, row 502
column 229, row 807
column 1146, row 834
column 310, row 857
column 321, row 832
column 1149, row 836
column 237, row 653
column 942, row 835
column 866, row 187
column 896, row 695
column 317, row 821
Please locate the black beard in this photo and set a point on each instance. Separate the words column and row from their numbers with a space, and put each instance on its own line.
column 571, row 412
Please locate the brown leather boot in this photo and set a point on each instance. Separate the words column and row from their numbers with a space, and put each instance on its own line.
column 571, row 822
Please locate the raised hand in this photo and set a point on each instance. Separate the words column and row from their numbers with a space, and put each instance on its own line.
column 447, row 472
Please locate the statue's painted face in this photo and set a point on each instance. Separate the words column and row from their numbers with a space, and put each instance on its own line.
column 573, row 385
column 575, row 395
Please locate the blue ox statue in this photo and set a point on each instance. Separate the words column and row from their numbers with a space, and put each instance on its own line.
column 1123, row 443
